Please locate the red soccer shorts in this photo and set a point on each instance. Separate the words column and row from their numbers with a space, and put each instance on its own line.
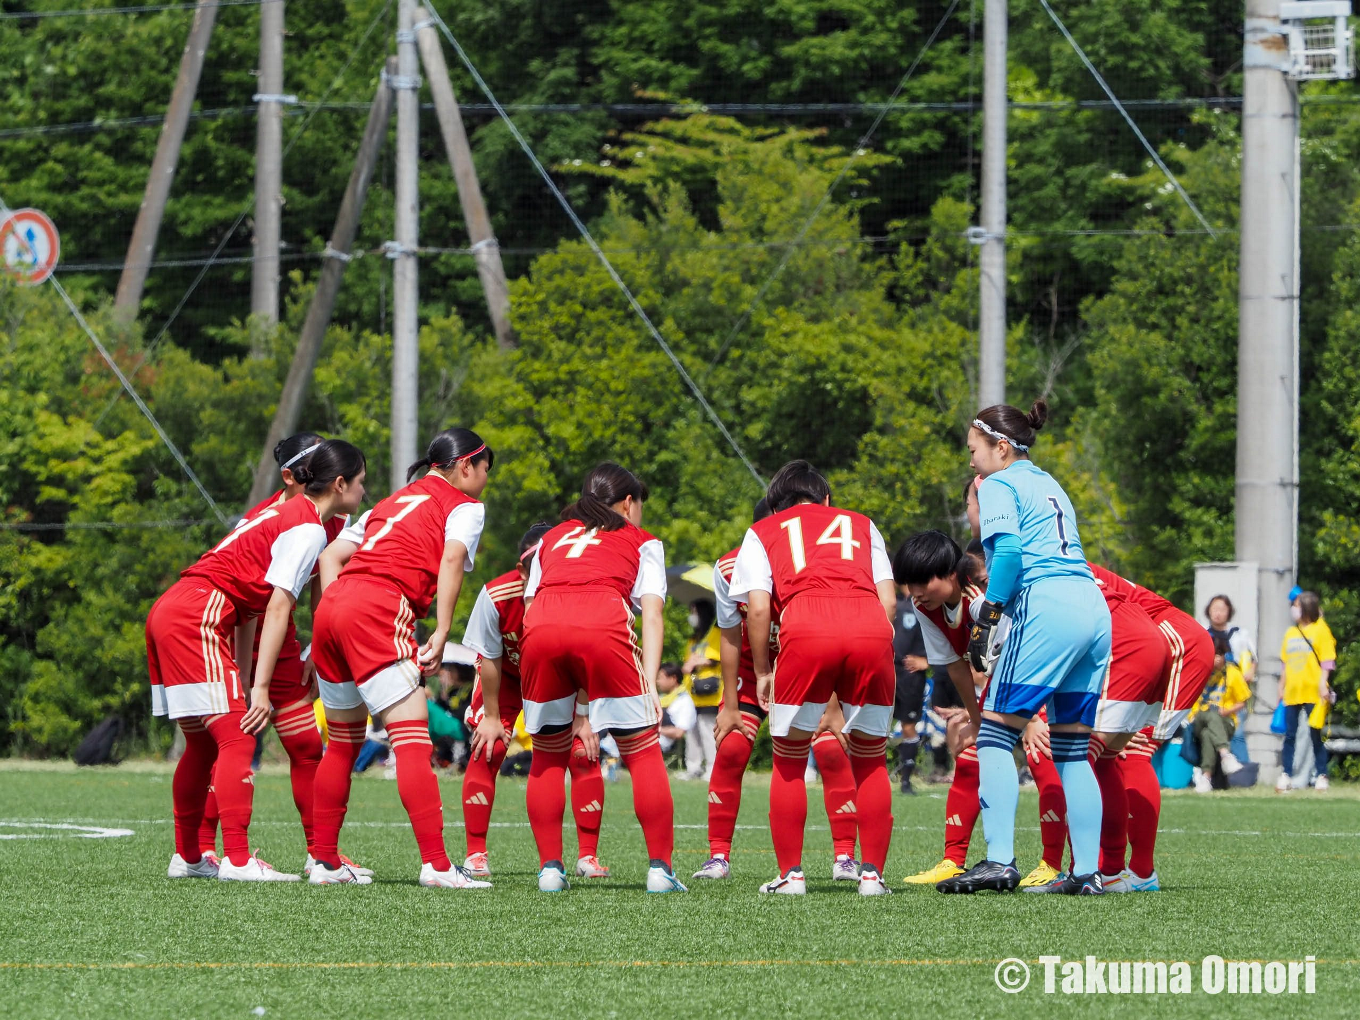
column 511, row 702
column 1135, row 682
column 1192, row 662
column 583, row 640
column 833, row 645
column 364, row 645
column 190, row 652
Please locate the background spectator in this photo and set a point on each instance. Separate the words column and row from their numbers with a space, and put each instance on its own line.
column 909, row 658
column 703, row 673
column 1241, row 648
column 1309, row 655
column 1214, row 717
column 678, row 714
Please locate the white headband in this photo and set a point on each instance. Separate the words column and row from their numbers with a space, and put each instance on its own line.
column 978, row 423
column 297, row 457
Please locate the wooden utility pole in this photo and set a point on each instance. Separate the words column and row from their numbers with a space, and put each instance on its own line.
column 485, row 249
column 405, row 268
column 264, row 282
column 142, row 246
column 299, row 381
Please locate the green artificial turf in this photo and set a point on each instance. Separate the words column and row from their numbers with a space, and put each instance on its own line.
column 91, row 927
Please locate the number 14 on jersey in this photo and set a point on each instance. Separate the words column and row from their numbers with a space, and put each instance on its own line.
column 836, row 533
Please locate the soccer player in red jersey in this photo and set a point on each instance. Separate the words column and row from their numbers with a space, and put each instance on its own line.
column 380, row 577
column 739, row 718
column 199, row 637
column 827, row 571
column 582, row 672
column 493, row 632
column 291, row 688
column 1191, row 663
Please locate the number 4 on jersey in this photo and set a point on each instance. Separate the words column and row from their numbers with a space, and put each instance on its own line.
column 579, row 539
column 836, row 533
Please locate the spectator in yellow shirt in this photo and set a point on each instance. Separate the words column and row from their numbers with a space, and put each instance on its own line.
column 1214, row 717
column 703, row 682
column 1309, row 655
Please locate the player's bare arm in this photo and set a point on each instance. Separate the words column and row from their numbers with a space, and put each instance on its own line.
column 449, row 585
column 729, row 715
column 758, row 634
column 490, row 729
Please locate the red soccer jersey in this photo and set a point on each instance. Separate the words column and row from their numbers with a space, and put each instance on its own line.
column 811, row 548
column 628, row 560
column 1153, row 604
column 955, row 633
column 276, row 549
column 497, row 620
column 291, row 648
column 402, row 540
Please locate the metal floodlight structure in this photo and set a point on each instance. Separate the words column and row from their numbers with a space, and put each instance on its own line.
column 1321, row 42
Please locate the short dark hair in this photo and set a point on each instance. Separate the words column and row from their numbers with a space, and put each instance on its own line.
column 925, row 556
column 286, row 452
column 761, row 511
column 1310, row 607
column 672, row 669
column 1220, row 598
column 795, row 482
column 1221, row 645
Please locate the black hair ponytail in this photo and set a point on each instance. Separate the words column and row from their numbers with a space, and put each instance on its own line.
column 1013, row 424
column 451, row 446
column 333, row 459
column 605, row 485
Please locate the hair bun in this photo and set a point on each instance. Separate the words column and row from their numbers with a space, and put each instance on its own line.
column 302, row 474
column 1038, row 414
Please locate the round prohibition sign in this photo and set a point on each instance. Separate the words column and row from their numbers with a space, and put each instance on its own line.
column 30, row 245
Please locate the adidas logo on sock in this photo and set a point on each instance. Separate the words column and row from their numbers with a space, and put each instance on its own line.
column 593, row 806
column 848, row 808
column 713, row 798
column 953, row 820
column 1050, row 816
column 477, row 798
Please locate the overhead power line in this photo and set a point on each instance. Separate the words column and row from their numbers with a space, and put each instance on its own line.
column 94, row 12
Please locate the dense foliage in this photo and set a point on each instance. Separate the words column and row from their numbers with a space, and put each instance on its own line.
column 860, row 354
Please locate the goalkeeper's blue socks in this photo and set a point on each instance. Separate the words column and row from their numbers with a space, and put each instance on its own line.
column 1083, row 798
column 999, row 789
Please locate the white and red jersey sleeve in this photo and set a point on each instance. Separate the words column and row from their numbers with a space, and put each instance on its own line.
column 729, row 610
column 277, row 548
column 497, row 621
column 811, row 548
column 401, row 540
column 627, row 560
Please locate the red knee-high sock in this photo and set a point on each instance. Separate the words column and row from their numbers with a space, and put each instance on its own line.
column 961, row 807
column 301, row 740
column 1052, row 809
column 641, row 754
column 587, row 799
column 724, row 788
column 788, row 801
column 838, row 790
column 330, row 788
column 873, row 794
column 1144, row 795
column 479, row 796
column 207, row 828
column 234, row 784
column 547, row 794
column 1114, row 820
column 189, row 788
column 419, row 788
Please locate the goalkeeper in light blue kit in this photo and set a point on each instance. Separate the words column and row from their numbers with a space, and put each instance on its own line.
column 1056, row 653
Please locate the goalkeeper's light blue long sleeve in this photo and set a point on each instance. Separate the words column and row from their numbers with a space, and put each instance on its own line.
column 1003, row 578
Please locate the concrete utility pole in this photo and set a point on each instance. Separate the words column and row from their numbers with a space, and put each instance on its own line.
column 992, row 258
column 1268, row 359
column 405, row 278
column 264, row 281
column 992, row 263
column 299, row 381
column 486, row 251
column 142, row 246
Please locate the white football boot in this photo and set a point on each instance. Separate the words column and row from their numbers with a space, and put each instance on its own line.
column 361, row 872
column 714, row 867
column 792, row 884
column 254, row 870
column 454, row 878
column 1150, row 884
column 846, row 869
column 478, row 865
column 663, row 880
column 180, row 868
column 1120, row 883
column 872, row 884
column 552, row 879
column 590, row 867
column 343, row 875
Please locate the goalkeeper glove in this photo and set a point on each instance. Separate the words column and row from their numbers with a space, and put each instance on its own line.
column 980, row 638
